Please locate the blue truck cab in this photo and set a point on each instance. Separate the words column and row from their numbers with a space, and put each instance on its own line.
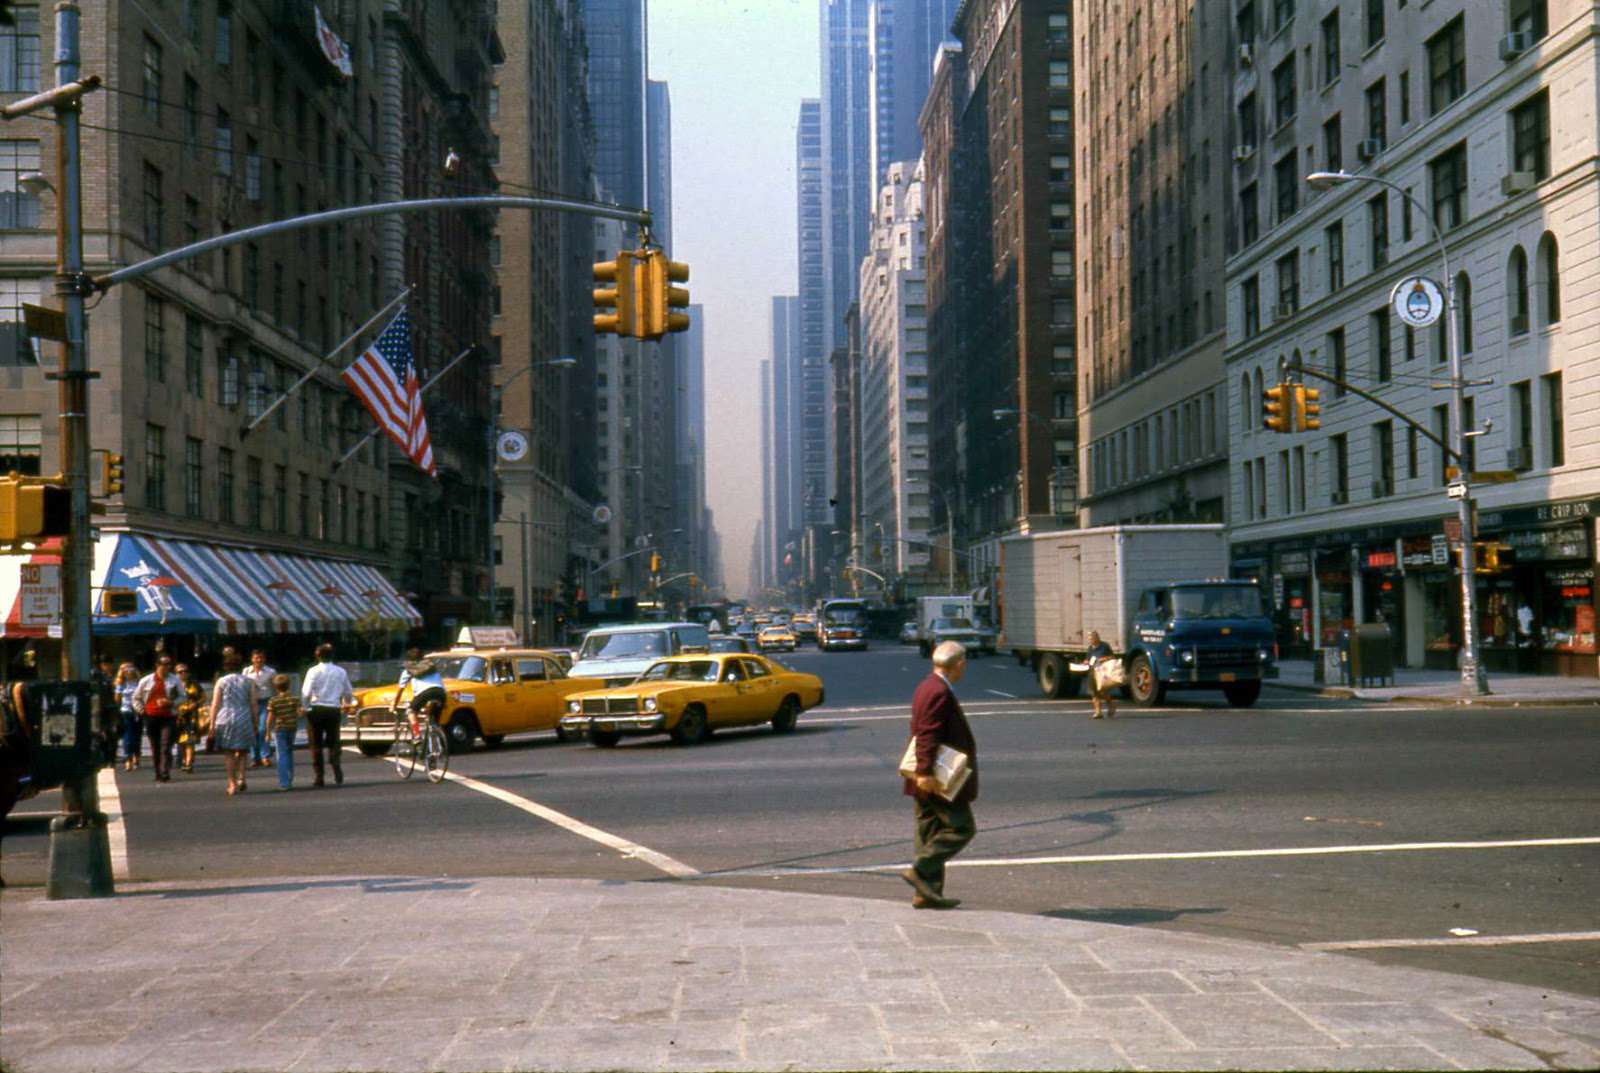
column 1212, row 634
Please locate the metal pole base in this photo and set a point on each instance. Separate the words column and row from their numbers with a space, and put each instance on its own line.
column 80, row 857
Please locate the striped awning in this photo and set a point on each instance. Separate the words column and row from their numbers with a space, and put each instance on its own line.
column 189, row 586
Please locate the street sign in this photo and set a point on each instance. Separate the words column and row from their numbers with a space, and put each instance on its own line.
column 1493, row 476
column 1417, row 301
column 44, row 322
column 512, row 446
column 1456, row 490
column 40, row 595
column 1441, row 550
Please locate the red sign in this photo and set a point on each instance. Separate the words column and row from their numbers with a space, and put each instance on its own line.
column 1380, row 560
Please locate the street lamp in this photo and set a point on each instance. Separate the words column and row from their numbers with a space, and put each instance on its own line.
column 1473, row 680
column 494, row 432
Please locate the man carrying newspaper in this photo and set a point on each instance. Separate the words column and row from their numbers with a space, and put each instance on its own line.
column 941, row 772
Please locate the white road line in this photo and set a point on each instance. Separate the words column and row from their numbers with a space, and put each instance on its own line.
column 1002, row 693
column 116, row 830
column 1195, row 855
column 628, row 849
column 1469, row 940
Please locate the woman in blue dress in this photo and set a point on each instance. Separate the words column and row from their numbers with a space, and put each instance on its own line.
column 233, row 721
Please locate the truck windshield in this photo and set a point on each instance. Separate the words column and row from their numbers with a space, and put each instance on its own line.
column 460, row 668
column 636, row 645
column 1217, row 601
column 952, row 624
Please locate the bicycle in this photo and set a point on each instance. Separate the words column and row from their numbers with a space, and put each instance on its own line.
column 418, row 741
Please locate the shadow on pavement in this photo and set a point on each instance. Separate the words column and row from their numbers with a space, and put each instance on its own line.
column 1129, row 915
column 367, row 886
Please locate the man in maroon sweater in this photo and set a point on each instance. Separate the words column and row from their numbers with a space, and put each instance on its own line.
column 943, row 827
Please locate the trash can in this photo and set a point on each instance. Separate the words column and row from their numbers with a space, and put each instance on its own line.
column 1372, row 654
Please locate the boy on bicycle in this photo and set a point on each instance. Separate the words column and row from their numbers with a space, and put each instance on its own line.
column 427, row 688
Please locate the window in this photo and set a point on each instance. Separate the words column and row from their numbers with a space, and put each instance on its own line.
column 16, row 345
column 194, row 356
column 225, row 484
column 1378, row 229
column 255, row 387
column 1283, row 97
column 191, row 113
column 1413, row 442
column 1522, row 422
column 1405, row 97
column 1250, row 300
column 1405, row 215
column 193, row 476
column 21, row 445
column 254, row 492
column 1447, row 65
column 1448, row 173
column 155, row 467
column 1288, row 283
column 280, row 498
column 1331, row 65
column 153, row 205
column 227, row 377
column 1333, row 243
column 1282, row 14
column 1336, row 361
column 155, row 340
column 224, row 142
column 304, row 504
column 1060, row 74
column 1061, row 168
column 1245, row 22
column 224, row 33
column 19, row 52
column 1380, row 340
column 1248, row 134
column 1383, row 459
column 1530, row 136
column 252, row 274
column 1378, row 113
column 1062, row 405
column 1547, row 280
column 1529, row 17
column 1517, row 291
column 1374, row 22
column 1463, row 305
column 1469, row 423
column 1060, row 123
column 1249, row 490
column 152, row 81
column 1249, row 221
column 1333, row 144
column 18, row 207
column 1441, row 433
column 1555, row 420
column 1286, row 181
column 252, row 169
column 1340, row 449
column 1411, row 342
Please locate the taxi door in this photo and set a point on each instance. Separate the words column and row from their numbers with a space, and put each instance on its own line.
column 497, row 715
column 540, row 699
column 732, row 699
column 762, row 691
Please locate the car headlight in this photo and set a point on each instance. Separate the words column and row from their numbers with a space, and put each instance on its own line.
column 1187, row 655
column 649, row 704
column 574, row 706
column 1266, row 654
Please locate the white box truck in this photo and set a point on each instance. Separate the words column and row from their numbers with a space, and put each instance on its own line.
column 1157, row 594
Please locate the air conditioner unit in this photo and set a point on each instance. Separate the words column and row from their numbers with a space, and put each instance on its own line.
column 1241, row 153
column 1519, row 458
column 1247, row 54
column 1369, row 148
column 1339, row 497
column 1517, row 182
column 1515, row 44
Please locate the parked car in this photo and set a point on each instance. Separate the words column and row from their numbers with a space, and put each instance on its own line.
column 775, row 637
column 690, row 696
column 908, row 633
column 952, row 629
column 804, row 626
column 489, row 694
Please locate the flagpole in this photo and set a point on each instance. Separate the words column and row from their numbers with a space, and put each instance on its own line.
column 431, row 381
column 326, row 358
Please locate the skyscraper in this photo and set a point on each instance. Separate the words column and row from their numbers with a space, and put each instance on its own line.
column 845, row 160
column 814, row 341
column 617, row 71
column 905, row 36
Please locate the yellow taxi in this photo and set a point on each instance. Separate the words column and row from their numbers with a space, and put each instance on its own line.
column 690, row 696
column 489, row 693
column 773, row 637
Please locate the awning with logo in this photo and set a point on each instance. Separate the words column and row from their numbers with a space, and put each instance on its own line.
column 190, row 586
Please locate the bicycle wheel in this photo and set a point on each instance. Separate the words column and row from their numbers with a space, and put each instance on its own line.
column 435, row 749
column 404, row 750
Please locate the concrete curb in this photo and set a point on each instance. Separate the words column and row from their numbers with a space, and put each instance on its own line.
column 1491, row 701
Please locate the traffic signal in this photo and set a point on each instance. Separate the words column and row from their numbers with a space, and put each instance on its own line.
column 111, row 474
column 1307, row 410
column 118, row 601
column 621, row 299
column 661, row 298
column 655, row 563
column 1275, row 404
column 33, row 509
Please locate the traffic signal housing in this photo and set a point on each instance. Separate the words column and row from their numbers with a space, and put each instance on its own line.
column 33, row 509
column 111, row 474
column 617, row 306
column 1307, row 410
column 1275, row 403
column 661, row 298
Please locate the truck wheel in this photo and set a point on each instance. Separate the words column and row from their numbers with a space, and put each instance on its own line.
column 1242, row 694
column 1144, row 688
column 1053, row 675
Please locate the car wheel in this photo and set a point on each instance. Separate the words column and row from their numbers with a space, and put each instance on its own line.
column 692, row 728
column 493, row 741
column 369, row 749
column 1242, row 694
column 1144, row 688
column 605, row 739
column 1053, row 675
column 562, row 734
column 788, row 713
column 462, row 732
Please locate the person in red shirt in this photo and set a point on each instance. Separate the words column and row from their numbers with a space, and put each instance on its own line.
column 943, row 827
column 156, row 698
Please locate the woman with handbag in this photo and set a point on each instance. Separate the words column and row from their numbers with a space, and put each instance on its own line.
column 1100, row 662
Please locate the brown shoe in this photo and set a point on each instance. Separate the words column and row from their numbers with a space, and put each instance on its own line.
column 919, row 902
column 930, row 898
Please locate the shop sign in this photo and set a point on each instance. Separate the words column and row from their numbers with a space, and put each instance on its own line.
column 1277, row 591
column 1380, row 560
column 1294, row 562
column 1441, row 549
column 1569, row 542
column 1416, row 552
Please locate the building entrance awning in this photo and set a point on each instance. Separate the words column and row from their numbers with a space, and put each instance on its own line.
column 190, row 586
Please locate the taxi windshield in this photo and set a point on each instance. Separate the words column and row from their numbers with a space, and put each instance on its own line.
column 462, row 668
column 696, row 670
column 624, row 645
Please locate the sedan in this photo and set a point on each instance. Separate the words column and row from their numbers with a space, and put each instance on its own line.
column 776, row 637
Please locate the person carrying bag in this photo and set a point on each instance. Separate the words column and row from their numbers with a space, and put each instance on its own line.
column 1105, row 676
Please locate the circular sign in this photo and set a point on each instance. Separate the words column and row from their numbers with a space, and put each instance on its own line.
column 602, row 514
column 1417, row 301
column 512, row 446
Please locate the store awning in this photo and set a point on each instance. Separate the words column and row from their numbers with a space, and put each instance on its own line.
column 189, row 586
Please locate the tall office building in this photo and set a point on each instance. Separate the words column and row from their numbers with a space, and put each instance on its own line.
column 1153, row 194
column 761, row 553
column 811, row 361
column 668, row 516
column 904, row 37
column 785, row 520
column 618, row 62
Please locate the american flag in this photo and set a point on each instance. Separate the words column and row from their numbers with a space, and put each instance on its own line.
column 385, row 378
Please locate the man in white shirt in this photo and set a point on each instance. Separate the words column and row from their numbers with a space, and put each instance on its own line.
column 260, row 676
column 325, row 692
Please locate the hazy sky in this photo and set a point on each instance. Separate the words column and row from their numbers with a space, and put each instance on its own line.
column 738, row 70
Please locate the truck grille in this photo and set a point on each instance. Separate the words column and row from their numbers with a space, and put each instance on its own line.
column 611, row 706
column 1226, row 656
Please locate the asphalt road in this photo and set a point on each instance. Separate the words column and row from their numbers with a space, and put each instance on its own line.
column 1317, row 782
